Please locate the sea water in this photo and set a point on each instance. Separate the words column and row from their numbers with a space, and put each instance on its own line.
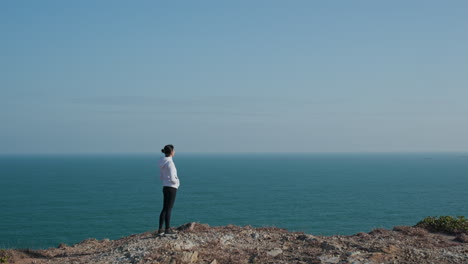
column 50, row 199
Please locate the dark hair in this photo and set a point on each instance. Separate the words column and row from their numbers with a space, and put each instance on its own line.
column 167, row 150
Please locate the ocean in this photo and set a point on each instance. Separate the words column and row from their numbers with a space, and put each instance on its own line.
column 52, row 199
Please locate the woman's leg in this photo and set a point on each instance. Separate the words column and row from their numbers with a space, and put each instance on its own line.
column 172, row 195
column 166, row 199
column 169, row 199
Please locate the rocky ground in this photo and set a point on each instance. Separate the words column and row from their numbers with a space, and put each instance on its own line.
column 199, row 243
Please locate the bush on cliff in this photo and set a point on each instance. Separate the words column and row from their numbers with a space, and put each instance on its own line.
column 446, row 224
column 4, row 257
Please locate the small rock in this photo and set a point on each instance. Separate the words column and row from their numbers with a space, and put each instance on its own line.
column 214, row 262
column 363, row 235
column 187, row 226
column 177, row 247
column 462, row 238
column 88, row 241
column 378, row 258
column 354, row 257
column 62, row 246
column 378, row 231
column 183, row 245
column 307, row 237
column 188, row 245
column 253, row 258
column 329, row 246
column 352, row 254
column 225, row 239
column 190, row 257
column 255, row 235
column 390, row 249
column 328, row 259
column 275, row 252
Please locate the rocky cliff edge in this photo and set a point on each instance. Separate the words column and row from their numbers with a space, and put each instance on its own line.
column 200, row 243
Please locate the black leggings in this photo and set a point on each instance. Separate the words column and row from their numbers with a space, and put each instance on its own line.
column 169, row 199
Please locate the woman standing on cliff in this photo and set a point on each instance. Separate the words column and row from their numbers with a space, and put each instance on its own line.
column 170, row 183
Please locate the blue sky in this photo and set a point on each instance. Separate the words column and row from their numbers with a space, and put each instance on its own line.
column 233, row 76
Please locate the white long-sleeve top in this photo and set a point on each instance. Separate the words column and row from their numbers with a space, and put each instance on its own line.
column 168, row 172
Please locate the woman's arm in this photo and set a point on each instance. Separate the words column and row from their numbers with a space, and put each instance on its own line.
column 172, row 172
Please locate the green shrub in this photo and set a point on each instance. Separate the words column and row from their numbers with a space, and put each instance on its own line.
column 4, row 258
column 446, row 224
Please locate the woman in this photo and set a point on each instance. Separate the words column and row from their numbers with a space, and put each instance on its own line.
column 170, row 183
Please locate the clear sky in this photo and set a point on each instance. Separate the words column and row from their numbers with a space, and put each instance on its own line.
column 233, row 76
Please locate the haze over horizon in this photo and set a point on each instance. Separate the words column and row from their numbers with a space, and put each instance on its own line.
column 240, row 76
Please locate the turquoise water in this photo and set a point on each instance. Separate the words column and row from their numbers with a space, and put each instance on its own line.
column 51, row 199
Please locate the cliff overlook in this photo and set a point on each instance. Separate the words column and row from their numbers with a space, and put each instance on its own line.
column 200, row 243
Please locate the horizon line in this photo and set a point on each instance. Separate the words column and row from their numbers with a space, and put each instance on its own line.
column 233, row 152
